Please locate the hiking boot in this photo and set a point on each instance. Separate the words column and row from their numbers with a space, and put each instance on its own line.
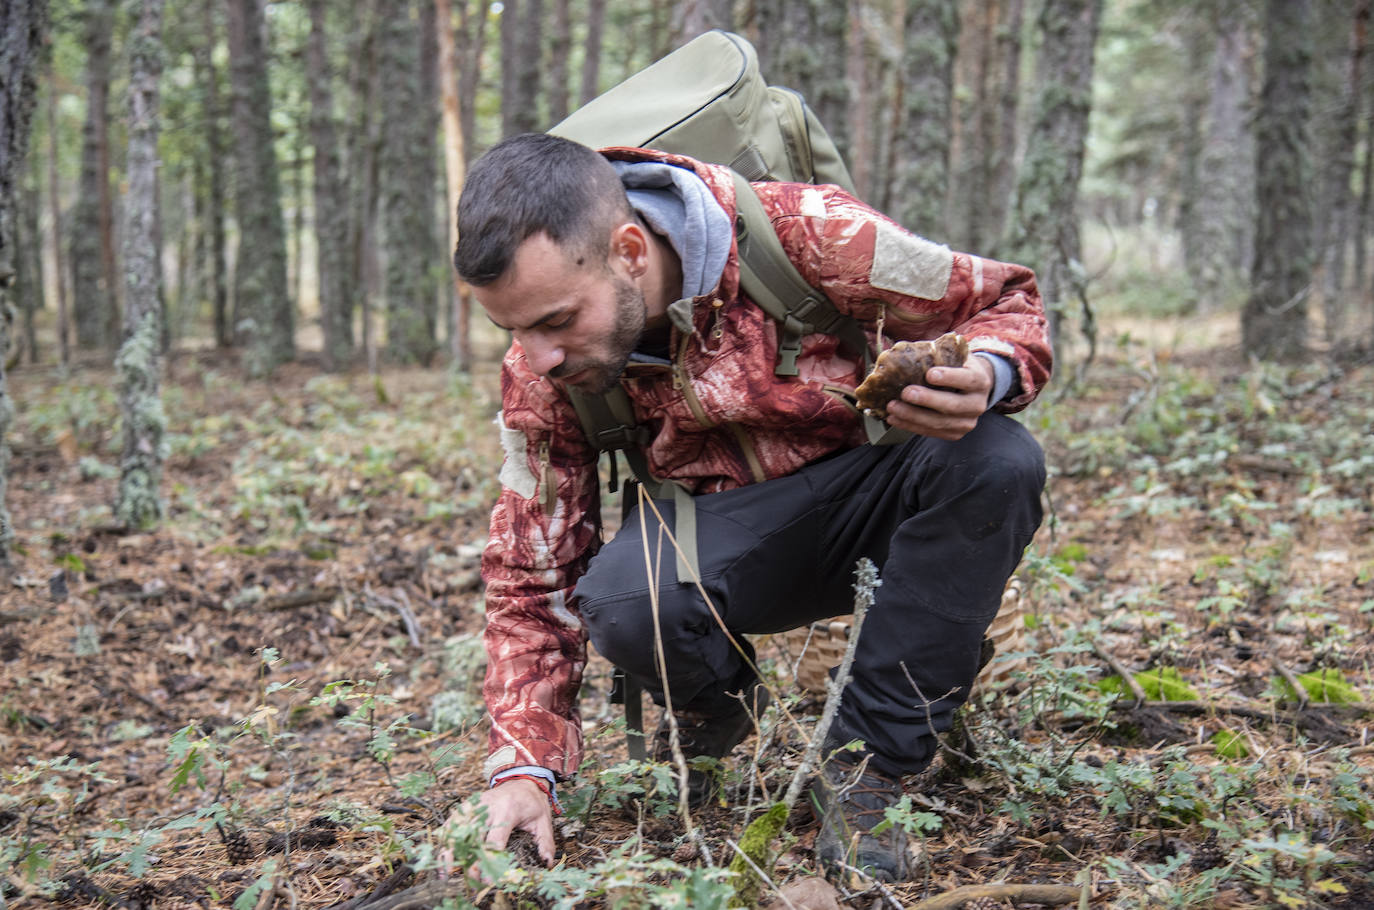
column 708, row 734
column 850, row 798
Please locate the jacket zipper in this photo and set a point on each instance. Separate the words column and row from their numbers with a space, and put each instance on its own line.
column 683, row 384
column 547, row 479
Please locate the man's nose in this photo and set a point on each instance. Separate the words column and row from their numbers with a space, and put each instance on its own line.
column 541, row 355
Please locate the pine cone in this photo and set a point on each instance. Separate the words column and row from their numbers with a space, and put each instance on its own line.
column 237, row 845
column 1208, row 855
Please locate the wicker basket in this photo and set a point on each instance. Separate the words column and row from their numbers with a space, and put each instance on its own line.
column 813, row 650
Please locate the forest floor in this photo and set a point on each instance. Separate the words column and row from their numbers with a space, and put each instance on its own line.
column 272, row 699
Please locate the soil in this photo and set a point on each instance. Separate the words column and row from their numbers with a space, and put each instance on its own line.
column 111, row 643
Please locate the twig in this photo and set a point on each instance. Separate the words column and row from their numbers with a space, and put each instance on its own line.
column 302, row 598
column 873, row 885
column 1052, row 895
column 402, row 608
column 1121, row 670
column 674, row 742
column 865, row 584
column 1298, row 689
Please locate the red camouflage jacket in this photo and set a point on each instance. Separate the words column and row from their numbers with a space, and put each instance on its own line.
column 722, row 418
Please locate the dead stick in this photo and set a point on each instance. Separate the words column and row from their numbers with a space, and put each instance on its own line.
column 1287, row 674
column 302, row 598
column 1052, row 895
column 865, row 585
column 1120, row 669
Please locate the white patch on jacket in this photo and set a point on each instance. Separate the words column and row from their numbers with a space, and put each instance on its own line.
column 515, row 469
column 908, row 264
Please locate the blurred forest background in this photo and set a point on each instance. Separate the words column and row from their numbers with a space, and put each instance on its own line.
column 246, row 452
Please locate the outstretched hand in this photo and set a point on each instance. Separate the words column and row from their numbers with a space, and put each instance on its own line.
column 949, row 410
column 512, row 805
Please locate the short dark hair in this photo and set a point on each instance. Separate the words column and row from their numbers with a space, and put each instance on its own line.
column 535, row 183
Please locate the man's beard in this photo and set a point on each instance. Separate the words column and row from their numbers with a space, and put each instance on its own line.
column 603, row 374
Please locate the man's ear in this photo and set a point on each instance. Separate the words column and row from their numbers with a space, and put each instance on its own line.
column 630, row 246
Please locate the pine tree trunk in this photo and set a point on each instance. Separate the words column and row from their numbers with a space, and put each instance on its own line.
column 59, row 236
column 1339, row 164
column 1274, row 323
column 985, row 115
column 28, row 252
column 22, row 27
column 591, row 63
column 213, row 229
column 455, row 170
column 510, row 52
column 693, row 17
column 921, row 181
column 530, row 29
column 139, row 360
column 407, row 178
column 560, row 43
column 94, row 312
column 361, row 165
column 472, row 41
column 331, row 220
column 261, row 293
column 1044, row 231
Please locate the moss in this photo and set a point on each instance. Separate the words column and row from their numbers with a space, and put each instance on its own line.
column 757, row 844
column 1325, row 686
column 1164, row 684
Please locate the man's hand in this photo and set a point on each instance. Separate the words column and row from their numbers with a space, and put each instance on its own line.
column 952, row 409
column 519, row 804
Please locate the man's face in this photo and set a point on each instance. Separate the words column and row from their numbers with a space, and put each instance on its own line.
column 577, row 323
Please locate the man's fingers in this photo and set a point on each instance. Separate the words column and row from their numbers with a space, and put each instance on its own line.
column 543, row 838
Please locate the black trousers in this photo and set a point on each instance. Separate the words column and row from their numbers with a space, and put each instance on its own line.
column 945, row 522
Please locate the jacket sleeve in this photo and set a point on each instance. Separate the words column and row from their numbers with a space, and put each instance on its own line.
column 545, row 527
column 875, row 270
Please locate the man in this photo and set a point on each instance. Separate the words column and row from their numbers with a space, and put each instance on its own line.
column 619, row 267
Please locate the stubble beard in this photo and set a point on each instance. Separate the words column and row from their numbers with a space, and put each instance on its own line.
column 604, row 373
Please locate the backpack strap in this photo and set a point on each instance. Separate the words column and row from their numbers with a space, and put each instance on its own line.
column 769, row 278
column 609, row 422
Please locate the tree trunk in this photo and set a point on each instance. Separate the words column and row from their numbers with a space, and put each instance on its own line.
column 362, row 156
column 921, row 181
column 802, row 44
column 94, row 311
column 591, row 63
column 28, row 252
column 1044, row 232
column 407, row 178
column 455, row 169
column 472, row 41
column 984, row 125
column 510, row 51
column 139, row 360
column 213, row 228
column 1274, row 323
column 1339, row 160
column 262, row 301
column 59, row 258
column 693, row 17
column 530, row 28
column 22, row 28
column 557, row 84
column 331, row 220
